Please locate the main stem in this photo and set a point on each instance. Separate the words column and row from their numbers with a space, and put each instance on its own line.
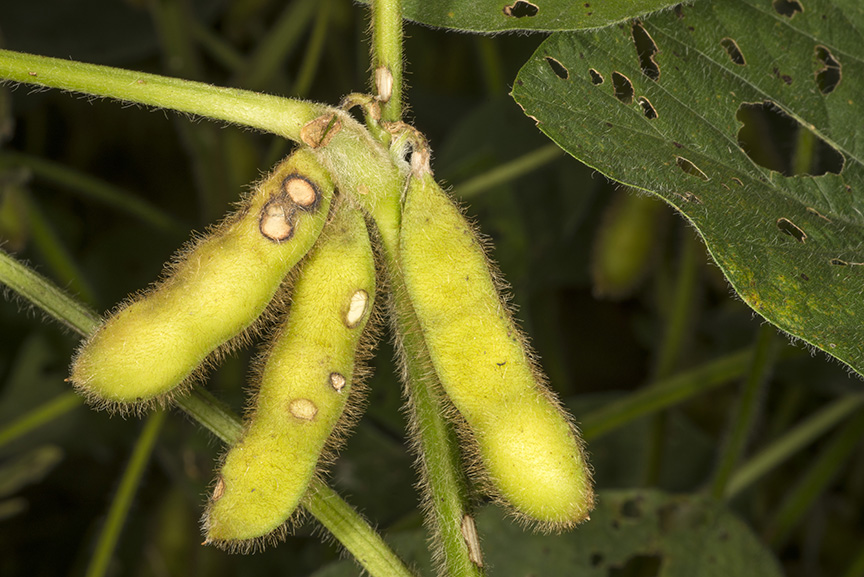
column 387, row 57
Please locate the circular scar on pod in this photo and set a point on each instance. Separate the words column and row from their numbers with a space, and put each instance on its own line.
column 303, row 409
column 356, row 308
column 275, row 222
column 337, row 381
column 301, row 191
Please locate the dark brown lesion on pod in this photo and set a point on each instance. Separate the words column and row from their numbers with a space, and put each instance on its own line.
column 302, row 192
column 277, row 219
column 337, row 381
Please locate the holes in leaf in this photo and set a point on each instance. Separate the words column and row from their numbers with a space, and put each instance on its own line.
column 776, row 141
column 787, row 8
column 647, row 109
column 623, row 88
column 645, row 50
column 789, row 227
column 596, row 77
column 689, row 168
column 521, row 9
column 731, row 48
column 827, row 77
column 558, row 68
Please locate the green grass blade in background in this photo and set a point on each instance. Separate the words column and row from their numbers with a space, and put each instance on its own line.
column 666, row 118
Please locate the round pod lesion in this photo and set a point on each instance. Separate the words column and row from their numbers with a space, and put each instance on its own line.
column 213, row 294
column 308, row 391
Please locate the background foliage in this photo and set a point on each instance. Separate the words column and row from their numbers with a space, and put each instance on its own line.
column 799, row 506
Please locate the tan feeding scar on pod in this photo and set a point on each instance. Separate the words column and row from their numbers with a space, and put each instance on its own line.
column 337, row 381
column 303, row 409
column 275, row 222
column 356, row 308
column 301, row 191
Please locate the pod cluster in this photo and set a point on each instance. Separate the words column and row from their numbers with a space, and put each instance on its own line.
column 226, row 285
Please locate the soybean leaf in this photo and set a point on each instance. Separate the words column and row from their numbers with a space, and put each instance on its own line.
column 630, row 532
column 673, row 111
column 527, row 15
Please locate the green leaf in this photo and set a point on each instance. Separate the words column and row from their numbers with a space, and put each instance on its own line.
column 630, row 532
column 790, row 245
column 527, row 15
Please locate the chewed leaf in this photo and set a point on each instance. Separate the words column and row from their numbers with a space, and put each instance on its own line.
column 781, row 216
column 527, row 15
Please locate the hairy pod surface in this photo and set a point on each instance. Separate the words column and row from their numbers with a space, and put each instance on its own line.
column 214, row 291
column 530, row 451
column 305, row 384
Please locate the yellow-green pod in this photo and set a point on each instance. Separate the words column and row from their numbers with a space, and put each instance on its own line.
column 216, row 289
column 625, row 243
column 528, row 448
column 305, row 384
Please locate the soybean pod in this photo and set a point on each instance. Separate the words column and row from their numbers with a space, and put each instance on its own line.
column 528, row 449
column 305, row 385
column 214, row 291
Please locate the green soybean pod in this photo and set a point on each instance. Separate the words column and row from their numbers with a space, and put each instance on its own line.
column 214, row 291
column 305, row 384
column 530, row 453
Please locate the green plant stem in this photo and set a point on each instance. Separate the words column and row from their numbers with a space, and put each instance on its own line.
column 364, row 170
column 93, row 189
column 387, row 52
column 343, row 522
column 282, row 116
column 512, row 170
column 788, row 445
column 262, row 67
column 764, row 354
column 119, row 509
column 445, row 486
column 664, row 394
column 438, row 451
column 46, row 296
column 833, row 457
column 41, row 415
column 314, row 47
column 347, row 526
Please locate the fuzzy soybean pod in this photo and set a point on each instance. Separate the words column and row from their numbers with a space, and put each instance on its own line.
column 305, row 384
column 215, row 289
column 529, row 452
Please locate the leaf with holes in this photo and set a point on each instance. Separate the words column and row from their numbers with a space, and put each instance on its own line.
column 531, row 15
column 681, row 104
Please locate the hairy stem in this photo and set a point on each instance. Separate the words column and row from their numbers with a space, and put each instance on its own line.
column 387, row 57
column 282, row 116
